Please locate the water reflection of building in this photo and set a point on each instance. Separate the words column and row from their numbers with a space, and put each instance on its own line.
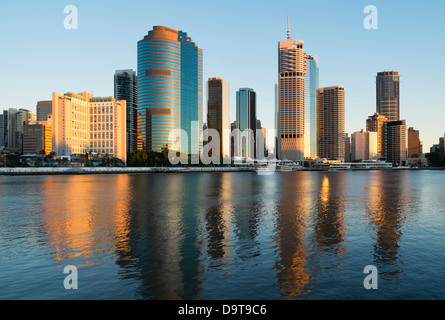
column 387, row 205
column 330, row 222
column 67, row 217
column 246, row 217
column 159, row 212
column 217, row 219
column 293, row 210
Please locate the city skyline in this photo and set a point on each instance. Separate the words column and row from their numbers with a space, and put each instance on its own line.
column 353, row 65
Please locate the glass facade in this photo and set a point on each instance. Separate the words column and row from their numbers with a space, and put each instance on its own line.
column 311, row 84
column 125, row 88
column 169, row 87
column 388, row 94
column 246, row 119
column 191, row 91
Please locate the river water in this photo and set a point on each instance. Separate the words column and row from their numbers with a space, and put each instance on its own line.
column 290, row 235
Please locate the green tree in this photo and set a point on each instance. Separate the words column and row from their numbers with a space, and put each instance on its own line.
column 436, row 159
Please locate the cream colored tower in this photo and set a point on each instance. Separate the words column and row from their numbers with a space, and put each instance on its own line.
column 290, row 99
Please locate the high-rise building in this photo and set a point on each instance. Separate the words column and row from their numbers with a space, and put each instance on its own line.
column 415, row 147
column 16, row 120
column 395, row 146
column 125, row 88
column 311, row 84
column 84, row 123
column 70, row 116
column 246, row 122
column 290, row 99
column 374, row 123
column 218, row 112
column 331, row 122
column 37, row 137
column 108, row 127
column 364, row 146
column 44, row 110
column 388, row 94
column 170, row 88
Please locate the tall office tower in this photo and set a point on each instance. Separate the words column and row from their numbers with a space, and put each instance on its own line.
column 37, row 137
column 169, row 88
column 388, row 94
column 290, row 99
column 348, row 157
column 395, row 146
column 108, row 134
column 44, row 110
column 415, row 147
column 364, row 146
column 331, row 122
column 218, row 112
column 125, row 88
column 375, row 123
column 311, row 84
column 70, row 117
column 16, row 120
column 246, row 120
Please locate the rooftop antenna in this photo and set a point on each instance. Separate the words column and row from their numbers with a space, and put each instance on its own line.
column 288, row 29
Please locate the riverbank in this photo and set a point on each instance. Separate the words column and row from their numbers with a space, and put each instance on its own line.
column 126, row 170
column 115, row 170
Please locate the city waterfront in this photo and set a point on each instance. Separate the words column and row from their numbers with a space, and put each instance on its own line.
column 223, row 235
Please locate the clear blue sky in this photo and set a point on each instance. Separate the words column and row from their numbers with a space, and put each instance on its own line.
column 239, row 39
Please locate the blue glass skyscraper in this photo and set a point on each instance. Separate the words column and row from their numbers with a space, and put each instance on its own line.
column 169, row 88
column 311, row 84
column 246, row 120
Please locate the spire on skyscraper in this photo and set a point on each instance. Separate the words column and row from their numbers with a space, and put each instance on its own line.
column 288, row 29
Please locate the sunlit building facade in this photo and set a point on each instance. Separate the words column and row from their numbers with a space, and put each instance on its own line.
column 70, row 116
column 37, row 137
column 83, row 123
column 375, row 123
column 331, row 122
column 169, row 89
column 415, row 147
column 108, row 127
column 218, row 112
column 290, row 100
column 364, row 146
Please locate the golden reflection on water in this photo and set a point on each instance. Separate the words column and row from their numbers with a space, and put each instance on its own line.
column 178, row 227
column 293, row 210
column 387, row 207
column 330, row 228
column 69, row 222
column 218, row 219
